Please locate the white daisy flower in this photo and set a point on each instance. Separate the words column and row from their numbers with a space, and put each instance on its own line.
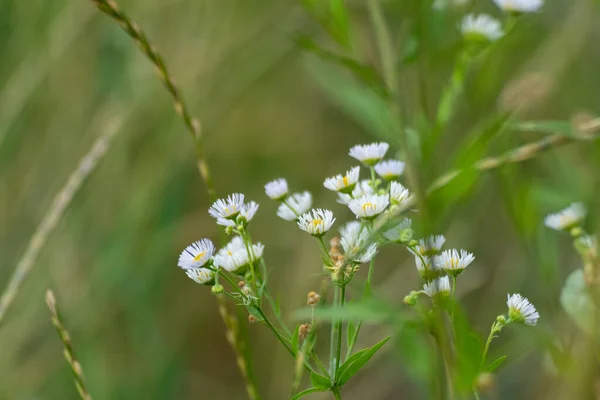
column 343, row 184
column 316, row 222
column 566, row 219
column 363, row 187
column 201, row 275
column 440, row 285
column 369, row 154
column 197, row 254
column 396, row 233
column 520, row 6
column 429, row 246
column 453, row 261
column 482, row 26
column 299, row 203
column 398, row 193
column 369, row 206
column 247, row 211
column 234, row 256
column 227, row 208
column 277, row 189
column 425, row 263
column 521, row 310
column 354, row 238
column 389, row 169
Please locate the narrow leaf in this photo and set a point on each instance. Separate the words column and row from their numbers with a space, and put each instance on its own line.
column 308, row 391
column 320, row 381
column 350, row 334
column 564, row 128
column 294, row 340
column 357, row 361
column 496, row 363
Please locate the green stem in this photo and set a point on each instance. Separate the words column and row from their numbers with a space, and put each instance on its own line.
column 276, row 332
column 333, row 338
column 250, row 252
column 353, row 340
column 452, row 311
column 369, row 278
column 336, row 393
column 339, row 323
column 493, row 331
column 325, row 253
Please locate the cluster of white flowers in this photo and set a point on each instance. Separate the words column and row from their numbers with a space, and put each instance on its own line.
column 521, row 310
column 236, row 257
column 483, row 27
column 566, row 219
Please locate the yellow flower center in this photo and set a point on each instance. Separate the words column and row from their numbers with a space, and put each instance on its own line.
column 317, row 222
column 199, row 256
column 367, row 205
column 345, row 180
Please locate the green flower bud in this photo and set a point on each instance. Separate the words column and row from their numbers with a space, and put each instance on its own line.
column 217, row 289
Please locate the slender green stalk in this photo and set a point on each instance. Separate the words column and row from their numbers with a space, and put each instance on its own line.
column 491, row 337
column 353, row 340
column 57, row 209
column 276, row 332
column 334, row 336
column 110, row 8
column 68, row 347
column 339, row 322
column 454, row 301
column 336, row 393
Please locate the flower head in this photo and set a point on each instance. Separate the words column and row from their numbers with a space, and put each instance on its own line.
column 389, row 169
column 398, row 193
column 369, row 206
column 362, row 187
column 437, row 286
column 429, row 246
column 454, row 261
column 294, row 206
column 354, row 240
column 521, row 310
column 201, row 275
column 196, row 255
column 566, row 219
column 316, row 222
column 234, row 256
column 247, row 212
column 343, row 184
column 519, row 6
column 400, row 232
column 369, row 154
column 425, row 263
column 481, row 28
column 277, row 189
column 227, row 208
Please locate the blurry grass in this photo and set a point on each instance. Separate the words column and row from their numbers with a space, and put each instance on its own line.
column 144, row 331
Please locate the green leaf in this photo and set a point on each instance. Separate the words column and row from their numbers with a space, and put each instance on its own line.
column 320, row 381
column 564, row 128
column 577, row 302
column 357, row 361
column 350, row 333
column 294, row 340
column 308, row 391
column 254, row 312
column 496, row 363
column 339, row 21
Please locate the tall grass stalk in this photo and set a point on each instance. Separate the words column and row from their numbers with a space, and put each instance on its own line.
column 54, row 214
column 68, row 347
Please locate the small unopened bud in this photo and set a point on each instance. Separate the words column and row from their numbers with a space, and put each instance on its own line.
column 406, row 235
column 485, row 382
column 412, row 243
column 241, row 284
column 501, row 319
column 335, row 247
column 217, row 289
column 303, row 331
column 313, row 298
column 576, row 231
column 251, row 318
column 411, row 298
column 229, row 230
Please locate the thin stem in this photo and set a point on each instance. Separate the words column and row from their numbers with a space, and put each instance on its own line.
column 284, row 201
column 54, row 214
column 68, row 347
column 336, row 393
column 276, row 332
column 332, row 343
column 369, row 278
column 493, row 331
column 339, row 322
column 110, row 8
column 452, row 311
column 248, row 245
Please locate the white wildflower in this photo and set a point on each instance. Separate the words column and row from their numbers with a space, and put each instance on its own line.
column 398, row 193
column 440, row 285
column 399, row 232
column 481, row 27
column 519, row 6
column 196, row 255
column 369, row 154
column 429, row 246
column 354, row 239
column 316, row 222
column 369, row 206
column 247, row 211
column 363, row 187
column 425, row 263
column 277, row 189
column 227, row 208
column 389, row 169
column 454, row 261
column 521, row 310
column 566, row 219
column 201, row 275
column 234, row 256
column 294, row 206
column 345, row 183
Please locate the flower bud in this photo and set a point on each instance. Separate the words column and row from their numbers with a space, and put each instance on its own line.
column 251, row 318
column 411, row 299
column 485, row 382
column 217, row 289
column 303, row 331
column 313, row 298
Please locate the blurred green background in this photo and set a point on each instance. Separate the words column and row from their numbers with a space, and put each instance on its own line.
column 140, row 327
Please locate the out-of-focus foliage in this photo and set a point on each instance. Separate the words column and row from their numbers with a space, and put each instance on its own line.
column 270, row 108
